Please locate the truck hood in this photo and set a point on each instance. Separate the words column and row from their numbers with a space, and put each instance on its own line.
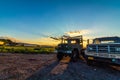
column 64, row 47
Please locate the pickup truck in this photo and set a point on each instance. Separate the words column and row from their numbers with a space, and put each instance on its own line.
column 104, row 49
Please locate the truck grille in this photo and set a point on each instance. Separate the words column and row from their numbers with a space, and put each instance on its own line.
column 104, row 48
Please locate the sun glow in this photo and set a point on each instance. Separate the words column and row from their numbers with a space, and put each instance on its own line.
column 43, row 41
column 77, row 33
column 53, row 42
column 48, row 41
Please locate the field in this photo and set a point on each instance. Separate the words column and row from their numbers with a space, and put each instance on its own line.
column 23, row 49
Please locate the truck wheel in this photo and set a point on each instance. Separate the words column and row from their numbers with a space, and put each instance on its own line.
column 74, row 56
column 89, row 62
column 59, row 56
column 83, row 53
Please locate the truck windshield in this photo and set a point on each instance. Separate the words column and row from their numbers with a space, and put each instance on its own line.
column 106, row 40
column 99, row 42
column 69, row 41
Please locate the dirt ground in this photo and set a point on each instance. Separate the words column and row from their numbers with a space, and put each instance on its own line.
column 46, row 67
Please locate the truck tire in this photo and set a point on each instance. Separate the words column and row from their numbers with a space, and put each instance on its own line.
column 59, row 56
column 75, row 55
column 83, row 53
column 89, row 62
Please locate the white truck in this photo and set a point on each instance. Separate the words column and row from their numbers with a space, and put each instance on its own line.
column 104, row 49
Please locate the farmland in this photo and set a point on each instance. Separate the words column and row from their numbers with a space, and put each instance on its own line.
column 27, row 50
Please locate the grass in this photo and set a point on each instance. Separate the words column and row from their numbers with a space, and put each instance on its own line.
column 23, row 49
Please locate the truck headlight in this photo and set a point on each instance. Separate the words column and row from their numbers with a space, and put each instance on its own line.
column 117, row 49
column 68, row 51
column 90, row 48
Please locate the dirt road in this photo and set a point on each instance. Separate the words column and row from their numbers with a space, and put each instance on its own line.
column 45, row 67
column 65, row 70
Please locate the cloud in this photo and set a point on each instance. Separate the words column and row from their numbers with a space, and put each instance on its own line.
column 10, row 38
column 77, row 32
column 48, row 41
column 43, row 41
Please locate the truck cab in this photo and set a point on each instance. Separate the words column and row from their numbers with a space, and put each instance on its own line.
column 104, row 49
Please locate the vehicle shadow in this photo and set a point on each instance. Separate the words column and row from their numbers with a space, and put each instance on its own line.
column 107, row 66
column 76, row 71
column 42, row 73
column 81, row 71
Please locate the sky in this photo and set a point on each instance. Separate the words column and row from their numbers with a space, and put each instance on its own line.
column 35, row 20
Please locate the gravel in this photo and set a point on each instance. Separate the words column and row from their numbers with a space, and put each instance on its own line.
column 46, row 67
column 76, row 71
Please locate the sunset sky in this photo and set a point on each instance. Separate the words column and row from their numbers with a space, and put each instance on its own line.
column 35, row 20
